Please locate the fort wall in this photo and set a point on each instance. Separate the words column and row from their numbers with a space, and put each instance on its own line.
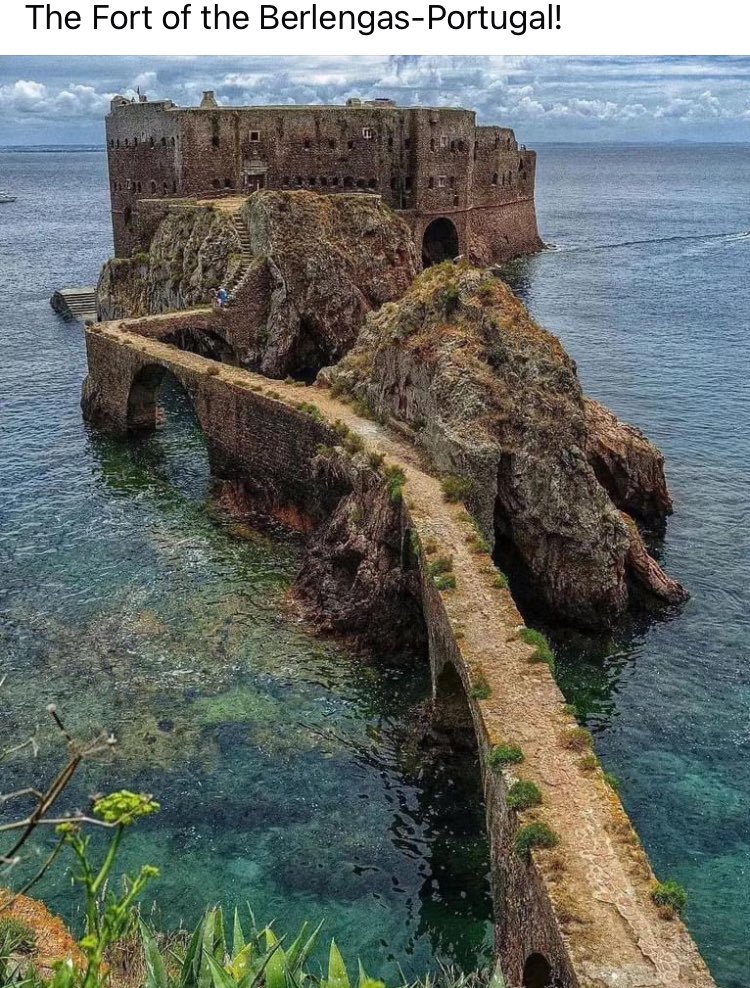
column 429, row 163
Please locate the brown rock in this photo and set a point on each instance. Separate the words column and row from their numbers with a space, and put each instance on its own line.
column 322, row 264
column 627, row 465
column 194, row 250
column 356, row 578
column 54, row 942
column 494, row 398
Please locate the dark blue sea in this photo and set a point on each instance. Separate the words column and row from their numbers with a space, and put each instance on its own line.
column 287, row 767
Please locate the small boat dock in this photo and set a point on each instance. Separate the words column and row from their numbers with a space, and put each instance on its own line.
column 75, row 304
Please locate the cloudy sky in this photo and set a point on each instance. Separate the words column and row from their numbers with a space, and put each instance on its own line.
column 63, row 100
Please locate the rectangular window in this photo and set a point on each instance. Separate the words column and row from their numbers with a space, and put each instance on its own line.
column 255, row 136
column 368, row 133
column 444, row 141
column 442, row 181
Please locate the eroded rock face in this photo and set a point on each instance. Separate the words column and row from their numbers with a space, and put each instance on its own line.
column 494, row 398
column 195, row 250
column 323, row 263
column 627, row 464
column 313, row 267
column 356, row 578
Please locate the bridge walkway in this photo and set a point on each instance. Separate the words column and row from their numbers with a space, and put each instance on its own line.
column 599, row 878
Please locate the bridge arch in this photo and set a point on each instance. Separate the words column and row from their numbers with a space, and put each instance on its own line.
column 439, row 242
column 203, row 341
column 142, row 410
column 537, row 972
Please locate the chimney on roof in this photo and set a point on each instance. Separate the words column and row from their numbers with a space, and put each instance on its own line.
column 209, row 100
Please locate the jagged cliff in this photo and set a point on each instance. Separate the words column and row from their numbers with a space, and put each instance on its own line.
column 193, row 251
column 322, row 263
column 493, row 398
column 307, row 272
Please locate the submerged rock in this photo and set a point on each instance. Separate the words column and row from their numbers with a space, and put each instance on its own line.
column 494, row 398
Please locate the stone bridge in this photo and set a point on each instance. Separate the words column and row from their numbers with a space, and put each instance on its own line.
column 577, row 915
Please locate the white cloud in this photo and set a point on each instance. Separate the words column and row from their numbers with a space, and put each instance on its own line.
column 25, row 96
column 543, row 98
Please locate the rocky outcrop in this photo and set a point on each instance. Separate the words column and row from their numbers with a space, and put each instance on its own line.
column 309, row 270
column 495, row 399
column 322, row 264
column 358, row 577
column 627, row 465
column 195, row 249
column 53, row 941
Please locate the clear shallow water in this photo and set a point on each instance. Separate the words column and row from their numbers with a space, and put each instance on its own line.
column 649, row 290
column 290, row 772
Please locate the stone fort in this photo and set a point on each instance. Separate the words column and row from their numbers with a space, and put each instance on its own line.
column 462, row 188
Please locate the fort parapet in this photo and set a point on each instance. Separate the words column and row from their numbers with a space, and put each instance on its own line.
column 462, row 188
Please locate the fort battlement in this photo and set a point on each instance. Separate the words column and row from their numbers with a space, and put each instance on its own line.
column 463, row 188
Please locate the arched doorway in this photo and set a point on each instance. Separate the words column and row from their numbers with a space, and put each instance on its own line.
column 537, row 972
column 440, row 242
column 167, row 441
column 203, row 341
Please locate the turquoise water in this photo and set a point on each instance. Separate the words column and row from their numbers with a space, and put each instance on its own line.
column 291, row 772
column 648, row 289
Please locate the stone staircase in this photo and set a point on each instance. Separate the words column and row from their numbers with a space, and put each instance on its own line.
column 243, row 235
column 75, row 304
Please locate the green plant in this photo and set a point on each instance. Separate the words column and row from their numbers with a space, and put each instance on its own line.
column 542, row 651
column 16, row 937
column 353, row 443
column 477, row 542
column 245, row 958
column 612, row 781
column 414, row 545
column 589, row 762
column 396, row 479
column 375, row 459
column 505, row 754
column 450, row 298
column 108, row 916
column 500, row 581
column 446, row 581
column 670, row 896
column 481, row 689
column 363, row 408
column 524, row 794
column 578, row 739
column 536, row 834
column 571, row 709
column 312, row 410
column 443, row 564
column 456, row 488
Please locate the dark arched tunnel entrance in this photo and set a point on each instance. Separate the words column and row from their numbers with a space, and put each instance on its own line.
column 537, row 972
column 440, row 242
